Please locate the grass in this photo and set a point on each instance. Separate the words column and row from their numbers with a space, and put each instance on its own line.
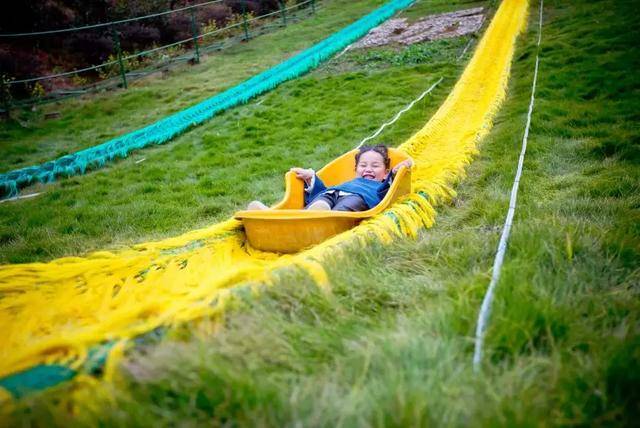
column 391, row 344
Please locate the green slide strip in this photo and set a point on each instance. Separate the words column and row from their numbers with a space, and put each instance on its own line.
column 45, row 376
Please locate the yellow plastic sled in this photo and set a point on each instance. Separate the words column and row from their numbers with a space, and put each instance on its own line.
column 287, row 227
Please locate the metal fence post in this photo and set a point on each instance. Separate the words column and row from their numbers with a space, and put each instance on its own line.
column 283, row 12
column 116, row 41
column 194, row 29
column 5, row 95
column 245, row 26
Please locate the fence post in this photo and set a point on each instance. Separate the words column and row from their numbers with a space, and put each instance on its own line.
column 116, row 41
column 194, row 29
column 245, row 26
column 313, row 6
column 283, row 12
column 5, row 95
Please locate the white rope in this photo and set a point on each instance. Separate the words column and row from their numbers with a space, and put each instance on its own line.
column 16, row 198
column 464, row 51
column 397, row 116
column 485, row 309
column 343, row 52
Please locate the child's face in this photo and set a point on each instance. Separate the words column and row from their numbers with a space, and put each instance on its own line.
column 371, row 166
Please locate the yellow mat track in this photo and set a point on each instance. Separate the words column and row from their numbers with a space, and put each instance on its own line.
column 54, row 312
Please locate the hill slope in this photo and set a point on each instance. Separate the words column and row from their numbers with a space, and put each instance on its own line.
column 391, row 345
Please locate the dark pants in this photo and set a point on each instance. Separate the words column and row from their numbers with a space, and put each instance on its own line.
column 342, row 203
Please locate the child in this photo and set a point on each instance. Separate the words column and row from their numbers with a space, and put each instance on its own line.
column 370, row 186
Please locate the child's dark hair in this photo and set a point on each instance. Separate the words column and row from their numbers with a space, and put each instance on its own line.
column 380, row 149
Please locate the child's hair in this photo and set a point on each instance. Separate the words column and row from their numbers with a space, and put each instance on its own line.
column 380, row 149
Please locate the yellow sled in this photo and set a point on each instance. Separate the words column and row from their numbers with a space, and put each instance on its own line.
column 287, row 227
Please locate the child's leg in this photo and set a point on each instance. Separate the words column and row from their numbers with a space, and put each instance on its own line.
column 319, row 205
column 350, row 203
column 323, row 202
column 256, row 205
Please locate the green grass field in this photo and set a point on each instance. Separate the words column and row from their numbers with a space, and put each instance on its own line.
column 391, row 345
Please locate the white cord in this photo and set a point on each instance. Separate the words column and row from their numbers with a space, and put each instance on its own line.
column 343, row 52
column 16, row 198
column 485, row 309
column 397, row 116
column 464, row 51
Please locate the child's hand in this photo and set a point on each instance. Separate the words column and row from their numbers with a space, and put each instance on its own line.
column 304, row 174
column 407, row 162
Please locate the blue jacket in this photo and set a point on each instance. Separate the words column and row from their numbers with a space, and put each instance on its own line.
column 373, row 192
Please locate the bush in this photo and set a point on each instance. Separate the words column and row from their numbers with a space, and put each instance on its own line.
column 136, row 36
column 21, row 63
column 218, row 13
column 261, row 7
column 94, row 48
column 178, row 27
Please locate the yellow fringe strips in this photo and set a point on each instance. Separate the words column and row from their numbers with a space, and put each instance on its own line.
column 53, row 312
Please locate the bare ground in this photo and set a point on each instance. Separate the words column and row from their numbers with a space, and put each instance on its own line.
column 432, row 27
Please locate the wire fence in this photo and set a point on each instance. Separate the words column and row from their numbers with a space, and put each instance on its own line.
column 108, row 24
column 122, row 68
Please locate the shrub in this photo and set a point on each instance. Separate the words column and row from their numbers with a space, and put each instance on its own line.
column 93, row 47
column 129, row 64
column 37, row 91
column 136, row 36
column 218, row 13
column 177, row 27
column 21, row 63
column 260, row 7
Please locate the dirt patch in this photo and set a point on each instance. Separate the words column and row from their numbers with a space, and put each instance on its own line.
column 432, row 27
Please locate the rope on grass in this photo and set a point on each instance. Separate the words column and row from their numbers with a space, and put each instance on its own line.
column 16, row 198
column 397, row 116
column 464, row 51
column 485, row 309
column 344, row 51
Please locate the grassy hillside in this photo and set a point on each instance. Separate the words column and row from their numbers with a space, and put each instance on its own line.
column 391, row 344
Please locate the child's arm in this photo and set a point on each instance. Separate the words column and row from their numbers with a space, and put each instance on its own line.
column 407, row 162
column 313, row 185
column 307, row 175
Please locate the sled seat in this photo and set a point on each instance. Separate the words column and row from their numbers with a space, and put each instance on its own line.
column 288, row 228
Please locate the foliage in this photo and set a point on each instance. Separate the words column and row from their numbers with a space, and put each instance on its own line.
column 92, row 47
column 37, row 91
column 218, row 13
column 236, row 21
column 137, row 36
column 5, row 91
column 15, row 62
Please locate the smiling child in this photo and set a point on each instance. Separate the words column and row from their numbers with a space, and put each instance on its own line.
column 372, row 182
